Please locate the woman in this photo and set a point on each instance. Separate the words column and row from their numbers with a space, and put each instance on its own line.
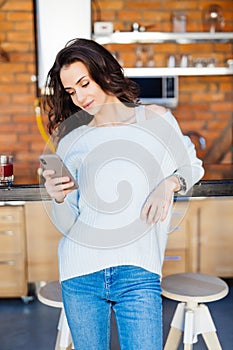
column 128, row 160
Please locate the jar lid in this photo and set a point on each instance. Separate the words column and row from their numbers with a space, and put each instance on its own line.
column 6, row 159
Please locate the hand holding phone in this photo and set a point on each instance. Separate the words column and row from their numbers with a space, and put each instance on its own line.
column 55, row 163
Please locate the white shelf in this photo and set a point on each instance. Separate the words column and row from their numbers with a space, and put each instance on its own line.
column 160, row 37
column 189, row 71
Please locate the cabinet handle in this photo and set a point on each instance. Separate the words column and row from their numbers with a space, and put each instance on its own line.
column 174, row 228
column 7, row 262
column 7, row 233
column 173, row 258
column 7, row 217
column 176, row 213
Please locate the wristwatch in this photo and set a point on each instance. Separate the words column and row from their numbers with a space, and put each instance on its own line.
column 182, row 182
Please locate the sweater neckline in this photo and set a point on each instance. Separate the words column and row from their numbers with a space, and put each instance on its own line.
column 139, row 115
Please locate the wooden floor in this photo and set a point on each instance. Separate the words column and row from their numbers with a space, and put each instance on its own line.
column 33, row 326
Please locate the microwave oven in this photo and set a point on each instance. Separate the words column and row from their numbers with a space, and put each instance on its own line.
column 161, row 90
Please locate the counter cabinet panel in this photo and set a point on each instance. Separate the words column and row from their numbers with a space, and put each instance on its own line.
column 13, row 272
column 42, row 242
column 200, row 240
column 203, row 241
column 216, row 237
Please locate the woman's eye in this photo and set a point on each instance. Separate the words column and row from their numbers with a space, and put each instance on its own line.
column 85, row 84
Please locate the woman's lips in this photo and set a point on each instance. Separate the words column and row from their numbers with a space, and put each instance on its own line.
column 88, row 105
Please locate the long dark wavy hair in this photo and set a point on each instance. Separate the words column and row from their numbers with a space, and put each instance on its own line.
column 103, row 68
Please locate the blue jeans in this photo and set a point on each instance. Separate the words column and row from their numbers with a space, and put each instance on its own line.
column 135, row 296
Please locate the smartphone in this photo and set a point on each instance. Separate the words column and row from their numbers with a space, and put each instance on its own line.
column 54, row 162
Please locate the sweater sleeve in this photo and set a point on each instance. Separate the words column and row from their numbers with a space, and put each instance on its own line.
column 65, row 214
column 189, row 166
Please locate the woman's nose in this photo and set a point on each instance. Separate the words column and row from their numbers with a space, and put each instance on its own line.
column 80, row 95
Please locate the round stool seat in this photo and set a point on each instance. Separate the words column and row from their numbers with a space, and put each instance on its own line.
column 50, row 294
column 192, row 316
column 195, row 287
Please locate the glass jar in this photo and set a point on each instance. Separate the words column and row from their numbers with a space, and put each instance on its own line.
column 179, row 22
column 6, row 170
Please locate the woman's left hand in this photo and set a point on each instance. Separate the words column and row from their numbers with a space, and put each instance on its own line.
column 158, row 202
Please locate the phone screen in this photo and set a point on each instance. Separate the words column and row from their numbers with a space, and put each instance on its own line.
column 55, row 163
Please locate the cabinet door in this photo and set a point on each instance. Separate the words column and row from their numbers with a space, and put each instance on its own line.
column 42, row 242
column 216, row 237
column 13, row 282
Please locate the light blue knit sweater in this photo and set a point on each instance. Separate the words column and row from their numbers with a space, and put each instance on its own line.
column 116, row 168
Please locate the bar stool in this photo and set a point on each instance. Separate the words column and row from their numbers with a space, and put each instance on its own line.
column 192, row 317
column 50, row 294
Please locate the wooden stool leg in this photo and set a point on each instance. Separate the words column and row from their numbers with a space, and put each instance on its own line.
column 58, row 345
column 211, row 340
column 173, row 339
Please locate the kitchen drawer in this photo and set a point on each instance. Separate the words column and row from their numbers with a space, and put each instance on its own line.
column 11, row 215
column 175, row 261
column 11, row 237
column 13, row 281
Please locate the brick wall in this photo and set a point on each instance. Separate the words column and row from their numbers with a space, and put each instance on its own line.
column 18, row 131
column 205, row 102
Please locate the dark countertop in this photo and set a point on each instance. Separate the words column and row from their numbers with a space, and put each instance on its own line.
column 204, row 188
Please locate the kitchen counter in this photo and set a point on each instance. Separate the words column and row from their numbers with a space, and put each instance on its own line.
column 204, row 188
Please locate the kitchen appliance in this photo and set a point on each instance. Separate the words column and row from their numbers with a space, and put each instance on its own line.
column 161, row 90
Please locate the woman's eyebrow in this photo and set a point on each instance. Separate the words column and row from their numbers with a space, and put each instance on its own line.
column 77, row 82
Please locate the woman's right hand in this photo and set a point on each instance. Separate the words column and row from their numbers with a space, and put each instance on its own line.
column 57, row 187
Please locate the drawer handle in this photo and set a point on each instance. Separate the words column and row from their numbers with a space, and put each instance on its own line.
column 7, row 262
column 7, row 217
column 6, row 233
column 173, row 258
